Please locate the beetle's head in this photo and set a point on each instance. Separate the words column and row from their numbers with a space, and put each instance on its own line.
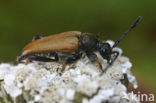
column 105, row 50
column 20, row 58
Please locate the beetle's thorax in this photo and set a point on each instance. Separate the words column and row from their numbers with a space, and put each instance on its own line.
column 87, row 42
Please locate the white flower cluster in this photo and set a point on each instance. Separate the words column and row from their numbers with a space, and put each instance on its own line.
column 80, row 82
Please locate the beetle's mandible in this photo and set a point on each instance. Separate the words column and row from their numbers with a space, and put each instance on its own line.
column 68, row 47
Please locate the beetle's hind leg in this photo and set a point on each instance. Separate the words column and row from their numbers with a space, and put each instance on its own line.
column 37, row 37
column 42, row 59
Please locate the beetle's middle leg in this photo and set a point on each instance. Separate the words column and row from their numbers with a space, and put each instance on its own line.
column 27, row 61
column 93, row 57
column 71, row 59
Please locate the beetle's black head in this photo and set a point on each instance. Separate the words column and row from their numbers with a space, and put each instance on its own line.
column 105, row 50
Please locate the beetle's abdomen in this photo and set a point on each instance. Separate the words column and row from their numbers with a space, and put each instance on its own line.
column 63, row 42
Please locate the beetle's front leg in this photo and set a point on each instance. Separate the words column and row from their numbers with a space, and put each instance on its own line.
column 93, row 57
column 116, row 53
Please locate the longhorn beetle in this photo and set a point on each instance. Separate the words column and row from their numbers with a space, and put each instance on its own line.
column 68, row 47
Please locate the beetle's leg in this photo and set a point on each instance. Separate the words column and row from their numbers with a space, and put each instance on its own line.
column 27, row 61
column 43, row 59
column 99, row 63
column 37, row 37
column 112, row 60
column 75, row 57
column 70, row 60
column 93, row 57
column 63, row 66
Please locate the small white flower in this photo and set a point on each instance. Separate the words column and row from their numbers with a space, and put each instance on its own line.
column 31, row 83
column 10, row 87
column 37, row 98
column 106, row 93
column 80, row 78
column 85, row 100
column 70, row 94
column 87, row 87
column 47, row 97
column 132, row 79
column 4, row 70
column 61, row 92
column 120, row 88
column 22, row 73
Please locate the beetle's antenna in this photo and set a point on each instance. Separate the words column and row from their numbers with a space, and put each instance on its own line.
column 128, row 30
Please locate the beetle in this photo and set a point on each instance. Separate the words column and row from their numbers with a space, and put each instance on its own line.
column 69, row 46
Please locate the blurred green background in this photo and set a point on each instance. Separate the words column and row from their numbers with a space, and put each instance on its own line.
column 20, row 20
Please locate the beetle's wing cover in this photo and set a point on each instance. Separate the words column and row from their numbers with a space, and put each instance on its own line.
column 63, row 42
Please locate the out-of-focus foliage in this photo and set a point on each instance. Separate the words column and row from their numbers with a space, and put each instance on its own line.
column 21, row 20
